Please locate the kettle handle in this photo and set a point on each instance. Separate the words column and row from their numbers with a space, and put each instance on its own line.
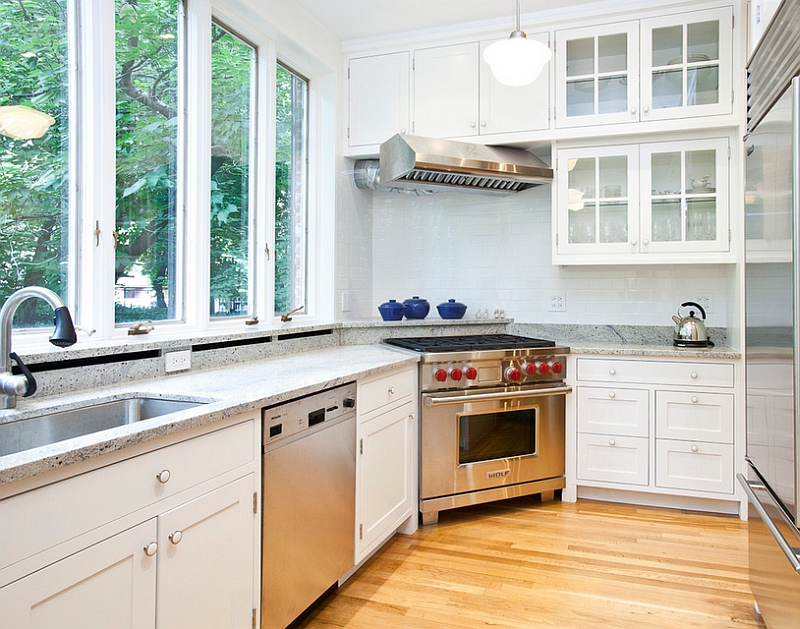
column 698, row 306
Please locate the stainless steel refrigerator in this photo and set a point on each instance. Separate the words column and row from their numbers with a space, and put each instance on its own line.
column 772, row 335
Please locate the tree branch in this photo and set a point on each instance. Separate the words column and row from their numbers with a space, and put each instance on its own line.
column 151, row 102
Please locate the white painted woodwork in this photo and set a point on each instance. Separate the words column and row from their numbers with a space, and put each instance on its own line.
column 696, row 465
column 379, row 98
column 205, row 580
column 613, row 411
column 613, row 459
column 395, row 388
column 109, row 584
column 694, row 415
column 683, row 373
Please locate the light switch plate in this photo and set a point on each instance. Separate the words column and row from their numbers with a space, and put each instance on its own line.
column 178, row 361
column 558, row 302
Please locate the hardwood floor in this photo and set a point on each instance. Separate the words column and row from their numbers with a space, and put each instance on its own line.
column 523, row 564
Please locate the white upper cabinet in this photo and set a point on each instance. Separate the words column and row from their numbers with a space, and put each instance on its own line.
column 675, row 66
column 456, row 95
column 597, row 75
column 379, row 98
column 661, row 202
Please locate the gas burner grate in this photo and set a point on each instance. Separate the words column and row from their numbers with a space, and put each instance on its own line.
column 468, row 343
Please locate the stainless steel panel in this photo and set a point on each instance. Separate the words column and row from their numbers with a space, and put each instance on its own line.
column 774, row 561
column 309, row 519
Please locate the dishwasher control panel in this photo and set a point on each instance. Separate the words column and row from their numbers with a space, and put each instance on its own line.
column 290, row 418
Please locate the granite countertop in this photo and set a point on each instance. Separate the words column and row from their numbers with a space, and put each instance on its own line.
column 720, row 352
column 228, row 392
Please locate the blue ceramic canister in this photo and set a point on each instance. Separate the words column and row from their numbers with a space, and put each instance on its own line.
column 451, row 309
column 416, row 308
column 391, row 310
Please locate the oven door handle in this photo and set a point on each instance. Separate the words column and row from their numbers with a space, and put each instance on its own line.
column 430, row 400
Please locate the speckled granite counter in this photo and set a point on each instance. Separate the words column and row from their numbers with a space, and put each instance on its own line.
column 656, row 351
column 229, row 391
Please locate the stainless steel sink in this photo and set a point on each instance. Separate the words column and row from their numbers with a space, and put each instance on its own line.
column 30, row 433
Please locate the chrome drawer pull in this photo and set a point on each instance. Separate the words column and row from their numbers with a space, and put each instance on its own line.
column 151, row 549
column 176, row 537
column 163, row 476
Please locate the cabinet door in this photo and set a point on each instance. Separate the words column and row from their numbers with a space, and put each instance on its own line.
column 687, row 65
column 379, row 98
column 697, row 465
column 110, row 584
column 507, row 109
column 613, row 411
column 446, row 91
column 613, row 458
column 597, row 200
column 694, row 415
column 384, row 476
column 206, row 554
column 597, row 75
column 684, row 187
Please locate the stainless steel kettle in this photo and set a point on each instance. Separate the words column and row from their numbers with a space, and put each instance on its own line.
column 691, row 330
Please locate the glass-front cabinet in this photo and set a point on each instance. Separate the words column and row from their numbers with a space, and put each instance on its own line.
column 642, row 203
column 673, row 66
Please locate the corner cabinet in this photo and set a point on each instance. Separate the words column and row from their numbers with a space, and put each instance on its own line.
column 673, row 66
column 663, row 428
column 663, row 202
column 386, row 459
column 456, row 95
column 165, row 539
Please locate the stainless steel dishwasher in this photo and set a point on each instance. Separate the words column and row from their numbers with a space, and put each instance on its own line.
column 308, row 534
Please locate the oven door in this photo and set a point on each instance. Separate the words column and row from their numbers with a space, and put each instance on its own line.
column 472, row 441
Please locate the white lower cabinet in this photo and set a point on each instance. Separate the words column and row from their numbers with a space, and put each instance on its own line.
column 655, row 426
column 386, row 463
column 166, row 539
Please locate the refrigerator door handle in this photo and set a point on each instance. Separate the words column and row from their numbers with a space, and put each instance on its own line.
column 790, row 553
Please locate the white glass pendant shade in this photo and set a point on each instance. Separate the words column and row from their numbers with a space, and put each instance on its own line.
column 517, row 60
column 24, row 123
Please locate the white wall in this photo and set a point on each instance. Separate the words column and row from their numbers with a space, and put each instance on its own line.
column 493, row 252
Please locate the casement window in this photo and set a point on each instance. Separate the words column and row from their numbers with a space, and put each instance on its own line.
column 149, row 194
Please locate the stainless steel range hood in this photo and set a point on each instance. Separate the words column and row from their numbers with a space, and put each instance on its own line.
column 425, row 165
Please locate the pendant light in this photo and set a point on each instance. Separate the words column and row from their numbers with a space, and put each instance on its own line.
column 517, row 60
column 23, row 123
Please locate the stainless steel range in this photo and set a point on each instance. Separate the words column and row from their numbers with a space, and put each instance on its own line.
column 492, row 419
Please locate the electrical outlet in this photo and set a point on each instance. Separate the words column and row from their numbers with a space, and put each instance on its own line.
column 706, row 302
column 558, row 302
column 347, row 301
column 178, row 361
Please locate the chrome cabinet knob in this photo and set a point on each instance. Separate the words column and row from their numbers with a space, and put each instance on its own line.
column 612, row 442
column 391, row 390
column 633, row 110
column 694, row 375
column 646, row 108
column 151, row 549
column 633, row 243
column 163, row 476
column 695, row 449
column 176, row 537
column 612, row 394
column 645, row 242
column 694, row 399
column 612, row 371
column 472, row 125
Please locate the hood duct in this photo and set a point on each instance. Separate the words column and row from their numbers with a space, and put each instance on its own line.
column 426, row 165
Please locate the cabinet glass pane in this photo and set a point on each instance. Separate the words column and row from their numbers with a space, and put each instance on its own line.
column 667, row 88
column 613, row 176
column 701, row 219
column 582, row 224
column 580, row 57
column 612, row 94
column 667, row 46
column 582, row 176
column 612, row 53
column 702, row 85
column 702, row 40
column 666, row 176
column 580, row 98
column 666, row 217
column 700, row 170
column 613, row 221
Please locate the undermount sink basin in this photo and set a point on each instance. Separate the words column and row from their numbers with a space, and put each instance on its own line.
column 25, row 434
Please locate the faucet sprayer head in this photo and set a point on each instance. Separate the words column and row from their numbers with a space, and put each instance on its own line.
column 64, row 335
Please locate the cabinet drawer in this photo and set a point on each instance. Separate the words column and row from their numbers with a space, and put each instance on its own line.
column 395, row 388
column 695, row 465
column 616, row 459
column 656, row 372
column 613, row 411
column 85, row 502
column 695, row 416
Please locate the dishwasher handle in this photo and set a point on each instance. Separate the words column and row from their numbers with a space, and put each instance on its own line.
column 790, row 553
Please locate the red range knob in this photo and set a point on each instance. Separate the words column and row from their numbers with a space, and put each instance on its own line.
column 544, row 369
column 440, row 375
column 530, row 369
column 456, row 374
column 471, row 373
column 557, row 367
column 513, row 374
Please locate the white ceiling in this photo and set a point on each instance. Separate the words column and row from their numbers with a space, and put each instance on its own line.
column 359, row 19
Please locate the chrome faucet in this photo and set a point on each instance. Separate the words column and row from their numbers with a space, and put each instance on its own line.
column 64, row 335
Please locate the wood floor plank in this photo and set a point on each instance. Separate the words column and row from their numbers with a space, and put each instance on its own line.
column 521, row 564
